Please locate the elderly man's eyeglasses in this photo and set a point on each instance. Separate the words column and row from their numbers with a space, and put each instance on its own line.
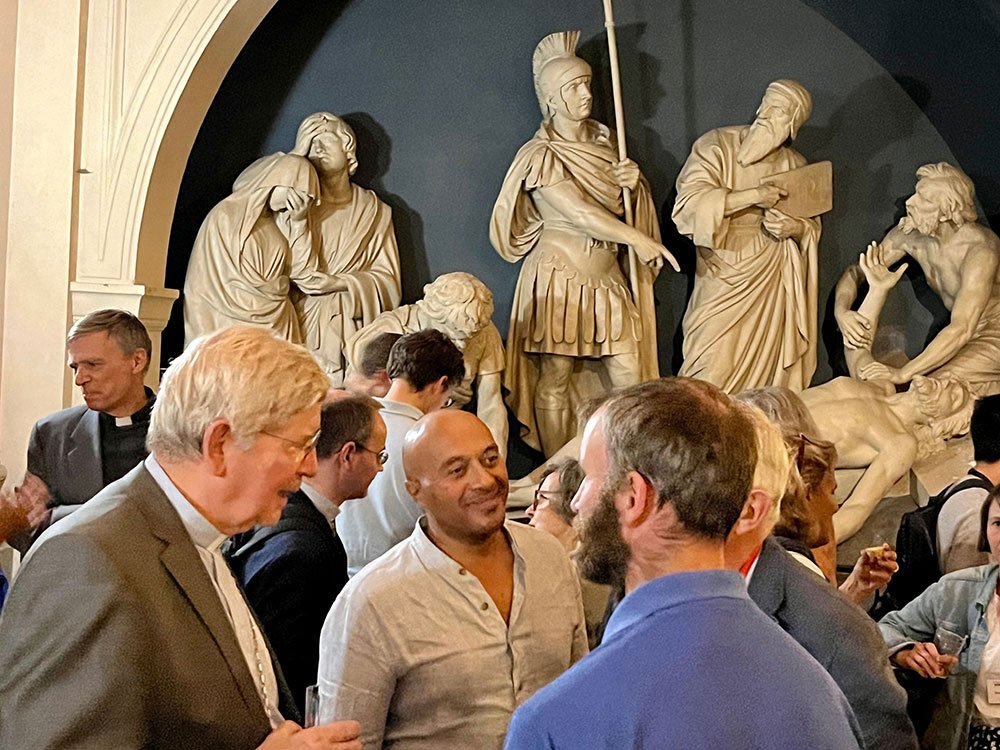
column 381, row 456
column 301, row 449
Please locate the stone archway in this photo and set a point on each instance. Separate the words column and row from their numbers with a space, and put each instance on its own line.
column 108, row 97
column 137, row 133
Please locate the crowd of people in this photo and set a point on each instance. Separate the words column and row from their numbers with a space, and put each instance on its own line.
column 249, row 559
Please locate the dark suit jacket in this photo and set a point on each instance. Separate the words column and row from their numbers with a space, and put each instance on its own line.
column 113, row 636
column 291, row 573
column 841, row 637
column 64, row 450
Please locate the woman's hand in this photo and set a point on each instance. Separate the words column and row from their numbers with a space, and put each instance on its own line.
column 924, row 659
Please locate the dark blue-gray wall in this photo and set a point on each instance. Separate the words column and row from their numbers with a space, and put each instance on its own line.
column 441, row 96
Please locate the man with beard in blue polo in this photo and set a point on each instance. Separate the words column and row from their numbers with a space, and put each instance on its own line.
column 688, row 660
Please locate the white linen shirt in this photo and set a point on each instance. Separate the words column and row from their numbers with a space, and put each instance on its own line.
column 385, row 516
column 415, row 649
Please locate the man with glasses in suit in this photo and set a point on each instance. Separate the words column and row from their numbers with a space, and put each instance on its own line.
column 423, row 369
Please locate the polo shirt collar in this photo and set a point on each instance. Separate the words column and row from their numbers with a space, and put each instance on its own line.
column 671, row 590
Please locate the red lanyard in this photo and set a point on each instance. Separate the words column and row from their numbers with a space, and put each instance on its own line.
column 745, row 567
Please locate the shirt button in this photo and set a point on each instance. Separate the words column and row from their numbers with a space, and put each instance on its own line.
column 485, row 606
column 462, row 571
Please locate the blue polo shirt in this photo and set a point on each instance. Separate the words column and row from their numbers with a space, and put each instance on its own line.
column 689, row 661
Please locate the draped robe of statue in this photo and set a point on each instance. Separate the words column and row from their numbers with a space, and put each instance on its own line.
column 752, row 317
column 357, row 245
column 572, row 297
column 241, row 263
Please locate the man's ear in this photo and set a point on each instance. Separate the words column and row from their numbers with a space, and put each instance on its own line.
column 636, row 500
column 413, row 487
column 214, row 443
column 140, row 357
column 756, row 512
column 348, row 451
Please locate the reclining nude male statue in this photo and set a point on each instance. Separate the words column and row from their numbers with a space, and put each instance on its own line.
column 873, row 427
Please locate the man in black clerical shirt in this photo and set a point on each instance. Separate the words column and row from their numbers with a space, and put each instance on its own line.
column 80, row 450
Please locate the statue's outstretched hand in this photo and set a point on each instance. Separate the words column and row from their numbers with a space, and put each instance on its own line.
column 877, row 273
column 652, row 253
column 626, row 173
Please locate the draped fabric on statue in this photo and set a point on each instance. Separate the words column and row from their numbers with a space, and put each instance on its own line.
column 241, row 262
column 752, row 317
column 358, row 245
column 571, row 297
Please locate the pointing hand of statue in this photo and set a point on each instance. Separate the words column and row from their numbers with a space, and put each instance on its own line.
column 768, row 195
column 626, row 174
column 652, row 253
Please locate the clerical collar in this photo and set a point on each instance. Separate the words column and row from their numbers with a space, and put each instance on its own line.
column 139, row 417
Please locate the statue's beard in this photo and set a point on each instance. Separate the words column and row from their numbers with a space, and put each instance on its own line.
column 759, row 141
column 917, row 221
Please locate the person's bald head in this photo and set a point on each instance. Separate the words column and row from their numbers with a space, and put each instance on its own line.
column 455, row 473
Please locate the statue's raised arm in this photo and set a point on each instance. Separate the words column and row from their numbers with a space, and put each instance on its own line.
column 960, row 259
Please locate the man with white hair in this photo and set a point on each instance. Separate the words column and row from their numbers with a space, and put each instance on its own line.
column 687, row 660
column 125, row 627
column 960, row 259
column 460, row 306
column 836, row 632
column 751, row 319
column 356, row 240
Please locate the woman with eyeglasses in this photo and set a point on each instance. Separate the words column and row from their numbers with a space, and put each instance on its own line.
column 951, row 634
column 551, row 512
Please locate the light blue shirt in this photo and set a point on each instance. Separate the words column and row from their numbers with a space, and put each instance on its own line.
column 689, row 661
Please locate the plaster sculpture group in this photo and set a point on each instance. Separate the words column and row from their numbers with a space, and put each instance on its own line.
column 306, row 233
column 302, row 250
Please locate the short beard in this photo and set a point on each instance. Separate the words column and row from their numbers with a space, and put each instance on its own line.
column 910, row 224
column 603, row 555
